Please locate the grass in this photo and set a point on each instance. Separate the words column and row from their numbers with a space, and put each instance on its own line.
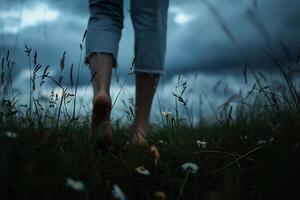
column 252, row 149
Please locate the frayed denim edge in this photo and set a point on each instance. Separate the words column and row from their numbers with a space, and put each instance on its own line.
column 88, row 55
column 152, row 72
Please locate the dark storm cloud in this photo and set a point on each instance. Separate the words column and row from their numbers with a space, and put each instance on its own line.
column 75, row 6
column 214, row 36
column 233, row 33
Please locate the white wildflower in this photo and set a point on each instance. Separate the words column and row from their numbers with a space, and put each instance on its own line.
column 10, row 134
column 161, row 141
column 118, row 193
column 167, row 113
column 261, row 142
column 245, row 137
column 189, row 165
column 201, row 143
column 142, row 170
column 75, row 185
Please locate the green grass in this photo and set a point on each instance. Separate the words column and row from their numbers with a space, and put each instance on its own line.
column 252, row 147
column 38, row 162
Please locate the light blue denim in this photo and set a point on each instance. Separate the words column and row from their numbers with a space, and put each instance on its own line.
column 149, row 19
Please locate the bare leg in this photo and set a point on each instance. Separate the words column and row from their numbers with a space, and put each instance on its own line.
column 145, row 90
column 101, row 65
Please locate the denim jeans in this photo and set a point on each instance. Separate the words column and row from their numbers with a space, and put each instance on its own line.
column 149, row 19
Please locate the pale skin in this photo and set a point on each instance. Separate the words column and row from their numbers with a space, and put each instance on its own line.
column 102, row 65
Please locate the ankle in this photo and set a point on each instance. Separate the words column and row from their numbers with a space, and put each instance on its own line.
column 144, row 128
column 102, row 94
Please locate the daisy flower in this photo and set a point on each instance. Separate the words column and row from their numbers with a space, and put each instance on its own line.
column 189, row 165
column 75, row 185
column 142, row 170
column 201, row 143
column 118, row 193
column 261, row 142
column 245, row 137
column 167, row 113
column 10, row 134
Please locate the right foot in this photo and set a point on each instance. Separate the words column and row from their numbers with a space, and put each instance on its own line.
column 138, row 136
column 101, row 126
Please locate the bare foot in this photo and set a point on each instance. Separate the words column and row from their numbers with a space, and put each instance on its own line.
column 138, row 136
column 101, row 119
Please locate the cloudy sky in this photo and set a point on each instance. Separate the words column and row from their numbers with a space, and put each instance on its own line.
column 210, row 38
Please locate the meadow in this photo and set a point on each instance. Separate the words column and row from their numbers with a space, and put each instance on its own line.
column 250, row 151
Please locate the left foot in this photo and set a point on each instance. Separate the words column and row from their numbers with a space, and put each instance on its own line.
column 101, row 119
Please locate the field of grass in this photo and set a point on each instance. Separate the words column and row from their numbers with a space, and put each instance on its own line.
column 251, row 151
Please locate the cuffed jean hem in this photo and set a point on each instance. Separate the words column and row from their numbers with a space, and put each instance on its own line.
column 150, row 71
column 90, row 53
